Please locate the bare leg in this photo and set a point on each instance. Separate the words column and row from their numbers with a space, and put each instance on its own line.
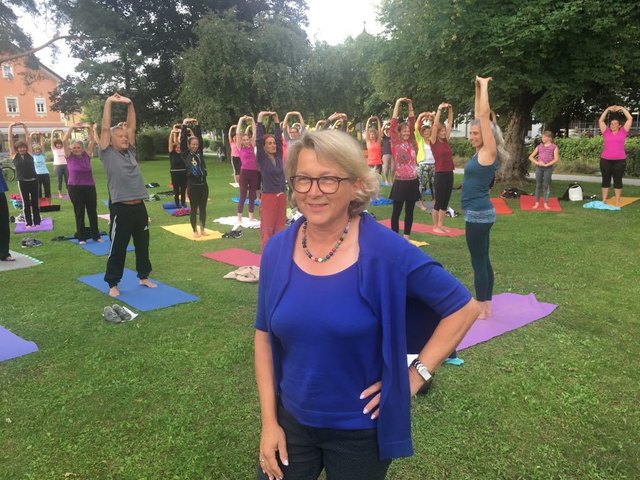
column 618, row 194
column 441, row 215
column 605, row 194
column 203, row 232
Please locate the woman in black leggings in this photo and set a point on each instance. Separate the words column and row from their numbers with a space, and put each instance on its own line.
column 613, row 158
column 27, row 177
column 177, row 169
column 193, row 158
column 443, row 155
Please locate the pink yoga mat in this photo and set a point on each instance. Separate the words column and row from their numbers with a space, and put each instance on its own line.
column 501, row 206
column 527, row 201
column 234, row 256
column 46, row 225
column 422, row 228
column 510, row 311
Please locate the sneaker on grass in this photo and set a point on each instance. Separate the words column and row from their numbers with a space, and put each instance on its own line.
column 110, row 315
column 122, row 313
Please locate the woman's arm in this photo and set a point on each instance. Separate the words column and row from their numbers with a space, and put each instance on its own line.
column 532, row 157
column 273, row 437
column 27, row 136
column 131, row 120
column 232, row 129
column 239, row 132
column 92, row 140
column 184, row 138
column 253, row 131
column 12, row 150
column 629, row 122
column 488, row 151
column 449, row 120
column 601, row 120
column 396, row 108
column 65, row 141
column 260, row 134
column 436, row 123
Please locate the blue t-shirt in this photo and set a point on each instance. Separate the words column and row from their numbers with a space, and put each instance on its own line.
column 475, row 186
column 39, row 162
column 331, row 341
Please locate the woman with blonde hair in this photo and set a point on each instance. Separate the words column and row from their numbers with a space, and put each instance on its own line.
column 443, row 177
column 341, row 302
column 479, row 213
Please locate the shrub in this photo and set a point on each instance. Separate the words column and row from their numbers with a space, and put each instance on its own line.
column 205, row 142
column 582, row 155
column 144, row 147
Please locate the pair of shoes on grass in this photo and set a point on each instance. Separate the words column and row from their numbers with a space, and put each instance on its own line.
column 245, row 274
column 30, row 242
column 116, row 314
column 232, row 234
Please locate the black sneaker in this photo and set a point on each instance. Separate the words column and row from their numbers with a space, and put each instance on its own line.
column 110, row 315
column 122, row 313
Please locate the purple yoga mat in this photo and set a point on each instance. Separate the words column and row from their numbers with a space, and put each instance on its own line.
column 12, row 346
column 46, row 225
column 510, row 311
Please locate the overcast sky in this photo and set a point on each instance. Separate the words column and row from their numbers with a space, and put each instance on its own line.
column 330, row 21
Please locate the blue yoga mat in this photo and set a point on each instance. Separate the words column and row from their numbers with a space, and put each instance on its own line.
column 140, row 297
column 105, row 202
column 170, row 207
column 246, row 202
column 381, row 201
column 98, row 248
column 12, row 346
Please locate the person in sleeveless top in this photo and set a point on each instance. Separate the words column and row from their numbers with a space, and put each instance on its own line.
column 547, row 157
column 613, row 158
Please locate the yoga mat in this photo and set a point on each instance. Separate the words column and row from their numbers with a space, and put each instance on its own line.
column 21, row 261
column 105, row 216
column 501, row 206
column 235, row 185
column 46, row 225
column 510, row 311
column 418, row 243
column 246, row 223
column 185, row 230
column 527, row 201
column 246, row 202
column 140, row 297
column 12, row 346
column 105, row 202
column 44, row 201
column 234, row 256
column 381, row 201
column 624, row 201
column 598, row 205
column 422, row 228
column 171, row 206
column 97, row 248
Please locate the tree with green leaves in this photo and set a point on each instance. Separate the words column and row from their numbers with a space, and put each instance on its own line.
column 531, row 49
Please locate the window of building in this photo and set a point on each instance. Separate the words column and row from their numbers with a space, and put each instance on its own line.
column 12, row 105
column 7, row 71
column 41, row 106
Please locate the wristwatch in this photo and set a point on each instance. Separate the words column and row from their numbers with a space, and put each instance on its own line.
column 422, row 370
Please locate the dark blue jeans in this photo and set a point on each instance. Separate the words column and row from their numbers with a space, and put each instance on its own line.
column 344, row 454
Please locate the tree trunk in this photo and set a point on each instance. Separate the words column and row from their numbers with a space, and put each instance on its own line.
column 518, row 117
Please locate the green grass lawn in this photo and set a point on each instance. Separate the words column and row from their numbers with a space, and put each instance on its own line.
column 172, row 395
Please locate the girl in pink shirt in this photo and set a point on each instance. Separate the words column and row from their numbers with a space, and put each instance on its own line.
column 613, row 158
column 547, row 153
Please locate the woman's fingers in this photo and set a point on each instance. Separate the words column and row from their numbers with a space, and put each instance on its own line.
column 372, row 406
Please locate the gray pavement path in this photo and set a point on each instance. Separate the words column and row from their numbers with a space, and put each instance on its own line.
column 579, row 178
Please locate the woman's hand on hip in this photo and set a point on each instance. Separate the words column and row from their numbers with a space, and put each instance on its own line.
column 374, row 403
column 273, row 440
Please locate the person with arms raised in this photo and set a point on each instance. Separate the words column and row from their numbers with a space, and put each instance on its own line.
column 127, row 193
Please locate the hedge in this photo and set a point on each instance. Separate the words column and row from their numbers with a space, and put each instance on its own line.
column 577, row 155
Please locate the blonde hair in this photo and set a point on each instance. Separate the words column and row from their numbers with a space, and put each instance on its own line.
column 340, row 149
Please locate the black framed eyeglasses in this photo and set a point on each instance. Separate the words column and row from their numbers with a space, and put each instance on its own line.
column 327, row 185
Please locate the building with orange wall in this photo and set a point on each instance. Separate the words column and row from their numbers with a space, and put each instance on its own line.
column 24, row 97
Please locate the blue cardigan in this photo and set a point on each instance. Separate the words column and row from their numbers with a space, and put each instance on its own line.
column 386, row 265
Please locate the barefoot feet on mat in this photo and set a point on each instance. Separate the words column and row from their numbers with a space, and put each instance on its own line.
column 114, row 291
column 145, row 282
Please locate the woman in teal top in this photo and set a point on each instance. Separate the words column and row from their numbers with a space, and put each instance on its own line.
column 479, row 214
